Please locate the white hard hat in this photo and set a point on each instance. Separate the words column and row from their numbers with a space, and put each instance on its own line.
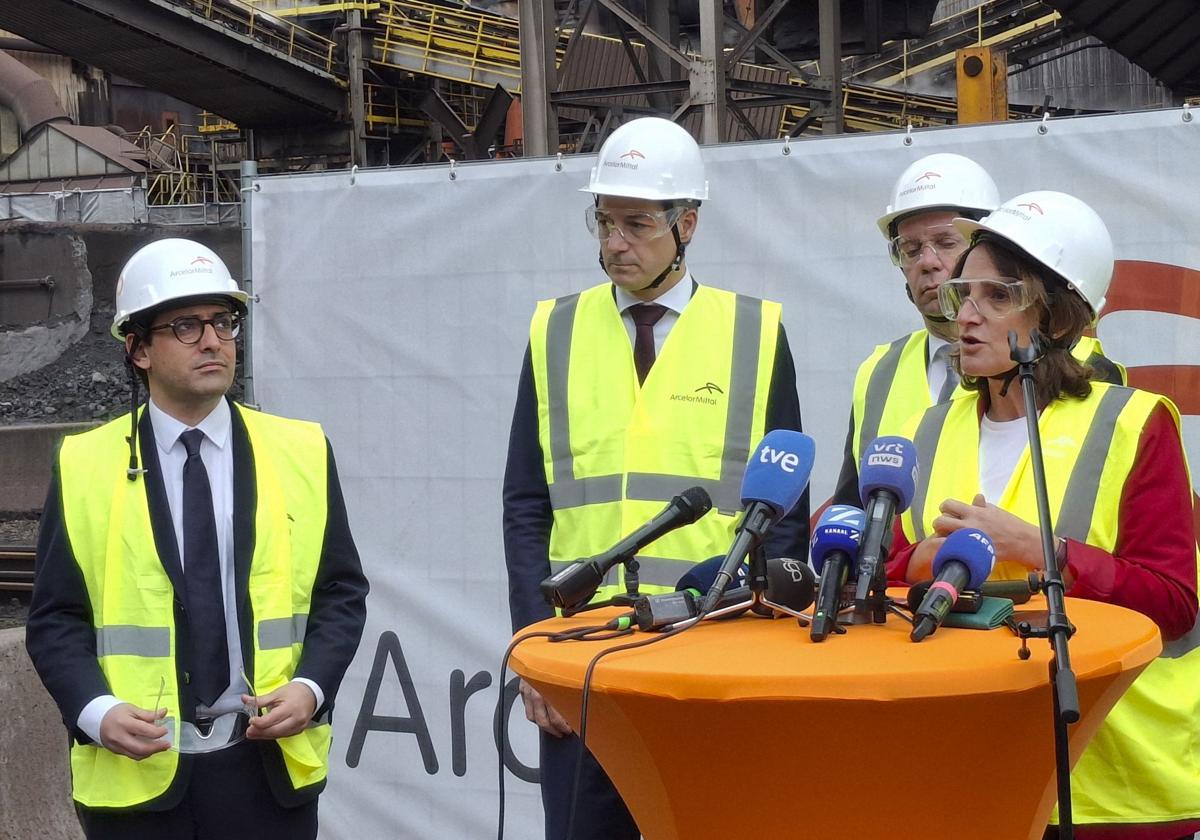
column 649, row 158
column 1059, row 232
column 940, row 182
column 171, row 270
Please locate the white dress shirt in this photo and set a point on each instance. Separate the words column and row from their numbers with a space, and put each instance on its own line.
column 675, row 299
column 216, row 451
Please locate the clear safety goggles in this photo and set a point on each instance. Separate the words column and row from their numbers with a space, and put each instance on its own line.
column 207, row 735
column 944, row 240
column 632, row 225
column 993, row 297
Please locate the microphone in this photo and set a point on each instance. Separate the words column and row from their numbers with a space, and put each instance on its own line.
column 835, row 544
column 775, row 478
column 887, row 479
column 790, row 586
column 789, row 590
column 574, row 585
column 963, row 562
column 1017, row 591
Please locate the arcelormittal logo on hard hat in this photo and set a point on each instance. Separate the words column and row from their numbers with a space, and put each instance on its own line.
column 200, row 265
column 1024, row 215
column 928, row 176
column 627, row 160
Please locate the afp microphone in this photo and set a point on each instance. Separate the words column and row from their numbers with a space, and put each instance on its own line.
column 774, row 481
column 963, row 562
column 835, row 545
column 887, row 479
column 574, row 585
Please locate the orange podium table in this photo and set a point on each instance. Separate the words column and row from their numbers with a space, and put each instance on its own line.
column 746, row 728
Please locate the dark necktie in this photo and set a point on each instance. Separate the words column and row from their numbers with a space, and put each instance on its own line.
column 645, row 316
column 942, row 354
column 202, row 574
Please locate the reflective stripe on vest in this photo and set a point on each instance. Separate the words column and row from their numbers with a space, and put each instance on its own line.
column 892, row 385
column 1089, row 447
column 107, row 520
column 616, row 452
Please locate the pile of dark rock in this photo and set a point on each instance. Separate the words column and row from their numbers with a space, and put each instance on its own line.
column 88, row 382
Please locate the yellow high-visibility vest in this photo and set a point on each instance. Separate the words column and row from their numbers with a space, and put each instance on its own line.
column 892, row 386
column 107, row 520
column 616, row 451
column 1143, row 765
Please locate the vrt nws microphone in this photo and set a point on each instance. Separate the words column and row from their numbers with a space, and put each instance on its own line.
column 574, row 585
column 835, row 545
column 887, row 479
column 774, row 481
column 963, row 562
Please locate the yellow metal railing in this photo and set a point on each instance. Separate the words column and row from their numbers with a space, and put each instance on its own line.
column 457, row 44
column 210, row 123
column 269, row 29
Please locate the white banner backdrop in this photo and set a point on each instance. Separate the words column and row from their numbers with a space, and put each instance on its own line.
column 394, row 309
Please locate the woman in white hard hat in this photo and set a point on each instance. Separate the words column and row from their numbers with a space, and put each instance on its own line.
column 1119, row 491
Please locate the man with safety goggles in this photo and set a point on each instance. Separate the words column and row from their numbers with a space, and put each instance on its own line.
column 906, row 376
column 631, row 392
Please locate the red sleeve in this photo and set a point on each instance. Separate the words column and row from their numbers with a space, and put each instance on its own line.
column 1153, row 569
column 902, row 550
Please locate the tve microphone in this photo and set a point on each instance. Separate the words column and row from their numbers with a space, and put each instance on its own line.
column 887, row 478
column 574, row 585
column 774, row 482
column 963, row 562
column 835, row 544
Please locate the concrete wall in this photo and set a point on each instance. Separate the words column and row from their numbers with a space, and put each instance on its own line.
column 26, row 453
column 35, row 779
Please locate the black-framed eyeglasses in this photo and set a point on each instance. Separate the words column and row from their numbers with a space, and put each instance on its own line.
column 190, row 328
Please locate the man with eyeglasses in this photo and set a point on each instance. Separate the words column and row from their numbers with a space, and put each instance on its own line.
column 630, row 392
column 198, row 594
column 912, row 373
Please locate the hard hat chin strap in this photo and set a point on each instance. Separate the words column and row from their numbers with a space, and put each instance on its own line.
column 673, row 266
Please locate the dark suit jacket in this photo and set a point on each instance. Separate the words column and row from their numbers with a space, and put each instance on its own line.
column 61, row 637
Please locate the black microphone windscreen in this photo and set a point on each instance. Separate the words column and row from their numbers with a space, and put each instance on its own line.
column 790, row 583
column 697, row 501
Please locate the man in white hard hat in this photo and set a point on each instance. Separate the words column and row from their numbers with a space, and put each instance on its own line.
column 198, row 594
column 630, row 392
column 906, row 376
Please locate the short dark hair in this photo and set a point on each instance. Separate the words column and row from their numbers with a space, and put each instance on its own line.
column 1062, row 318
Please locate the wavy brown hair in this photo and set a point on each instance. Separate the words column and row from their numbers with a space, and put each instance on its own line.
column 1062, row 318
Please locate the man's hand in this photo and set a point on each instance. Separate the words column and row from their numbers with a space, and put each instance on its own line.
column 132, row 732
column 1016, row 541
column 542, row 713
column 289, row 709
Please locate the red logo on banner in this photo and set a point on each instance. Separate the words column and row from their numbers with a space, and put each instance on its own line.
column 1173, row 290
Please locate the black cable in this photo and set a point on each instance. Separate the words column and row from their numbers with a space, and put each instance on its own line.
column 499, row 723
column 583, row 709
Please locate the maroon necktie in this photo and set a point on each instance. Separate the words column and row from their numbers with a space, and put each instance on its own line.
column 645, row 316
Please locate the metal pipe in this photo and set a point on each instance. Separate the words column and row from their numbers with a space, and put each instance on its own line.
column 46, row 283
column 249, row 173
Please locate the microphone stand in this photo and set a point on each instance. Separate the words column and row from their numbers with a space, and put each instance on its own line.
column 1058, row 629
column 623, row 599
